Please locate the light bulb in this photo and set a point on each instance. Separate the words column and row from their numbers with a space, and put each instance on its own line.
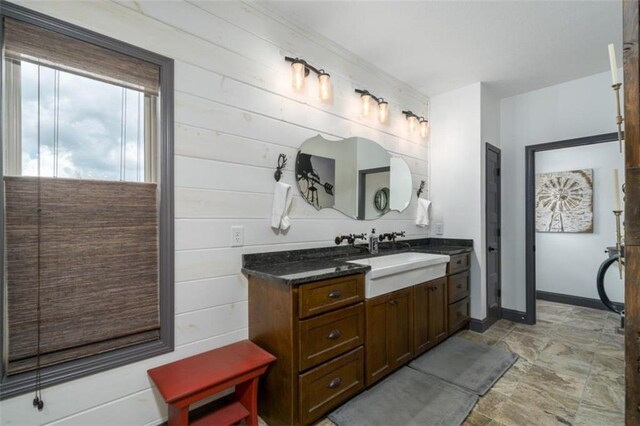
column 383, row 111
column 325, row 85
column 297, row 75
column 413, row 122
column 366, row 104
column 424, row 128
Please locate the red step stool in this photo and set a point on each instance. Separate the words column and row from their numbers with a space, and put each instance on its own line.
column 192, row 379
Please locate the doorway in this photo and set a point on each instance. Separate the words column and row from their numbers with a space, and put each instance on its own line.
column 531, row 289
column 493, row 190
column 371, row 182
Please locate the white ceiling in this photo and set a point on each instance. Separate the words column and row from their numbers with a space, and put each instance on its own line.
column 437, row 46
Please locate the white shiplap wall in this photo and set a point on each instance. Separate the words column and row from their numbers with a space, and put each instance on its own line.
column 234, row 112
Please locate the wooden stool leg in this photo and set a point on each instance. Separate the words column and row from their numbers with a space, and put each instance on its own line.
column 247, row 394
column 178, row 416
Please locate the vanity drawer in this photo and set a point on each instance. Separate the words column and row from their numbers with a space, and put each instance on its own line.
column 458, row 314
column 331, row 334
column 329, row 385
column 458, row 262
column 323, row 296
column 458, row 286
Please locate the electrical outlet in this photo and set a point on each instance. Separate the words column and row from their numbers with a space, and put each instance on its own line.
column 439, row 228
column 237, row 236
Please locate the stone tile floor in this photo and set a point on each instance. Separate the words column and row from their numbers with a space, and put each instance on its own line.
column 570, row 371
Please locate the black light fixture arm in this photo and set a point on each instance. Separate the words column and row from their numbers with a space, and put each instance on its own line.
column 411, row 114
column 307, row 66
column 366, row 92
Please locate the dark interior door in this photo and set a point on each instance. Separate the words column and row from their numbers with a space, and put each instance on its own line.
column 493, row 255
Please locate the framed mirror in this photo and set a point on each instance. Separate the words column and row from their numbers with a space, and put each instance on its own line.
column 355, row 176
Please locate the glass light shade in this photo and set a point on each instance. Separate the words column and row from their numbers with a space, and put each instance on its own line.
column 383, row 111
column 366, row 104
column 424, row 128
column 413, row 123
column 325, row 86
column 297, row 76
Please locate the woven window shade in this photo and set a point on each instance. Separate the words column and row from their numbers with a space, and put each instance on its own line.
column 98, row 268
column 34, row 44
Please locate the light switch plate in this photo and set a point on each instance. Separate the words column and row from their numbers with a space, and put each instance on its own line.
column 439, row 228
column 237, row 236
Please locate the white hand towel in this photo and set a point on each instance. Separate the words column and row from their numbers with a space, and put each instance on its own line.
column 422, row 215
column 281, row 202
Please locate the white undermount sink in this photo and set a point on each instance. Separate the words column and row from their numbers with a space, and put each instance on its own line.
column 398, row 271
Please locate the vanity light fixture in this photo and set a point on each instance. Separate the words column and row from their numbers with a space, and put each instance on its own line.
column 415, row 120
column 300, row 70
column 383, row 106
column 383, row 110
column 424, row 127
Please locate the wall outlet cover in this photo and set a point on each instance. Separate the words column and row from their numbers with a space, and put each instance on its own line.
column 237, row 236
column 439, row 228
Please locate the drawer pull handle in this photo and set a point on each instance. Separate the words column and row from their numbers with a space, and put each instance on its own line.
column 459, row 286
column 335, row 294
column 459, row 262
column 393, row 302
column 334, row 334
column 335, row 383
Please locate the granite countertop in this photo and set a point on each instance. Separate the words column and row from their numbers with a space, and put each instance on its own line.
column 296, row 267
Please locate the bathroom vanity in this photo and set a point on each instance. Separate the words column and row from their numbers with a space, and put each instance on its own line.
column 320, row 313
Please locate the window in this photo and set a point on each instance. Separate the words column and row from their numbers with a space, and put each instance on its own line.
column 77, row 127
column 86, row 202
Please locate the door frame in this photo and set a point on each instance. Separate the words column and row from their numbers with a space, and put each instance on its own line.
column 362, row 187
column 496, row 150
column 631, row 56
column 530, row 208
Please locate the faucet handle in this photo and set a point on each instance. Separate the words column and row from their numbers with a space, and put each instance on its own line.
column 362, row 236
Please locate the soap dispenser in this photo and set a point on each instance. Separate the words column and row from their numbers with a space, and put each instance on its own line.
column 373, row 242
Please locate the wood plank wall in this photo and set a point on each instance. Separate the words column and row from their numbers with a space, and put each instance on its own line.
column 235, row 112
column 631, row 21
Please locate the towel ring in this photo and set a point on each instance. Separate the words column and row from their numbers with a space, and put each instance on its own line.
column 421, row 189
column 282, row 162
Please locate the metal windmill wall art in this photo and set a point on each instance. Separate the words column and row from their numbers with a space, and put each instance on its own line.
column 312, row 170
column 564, row 201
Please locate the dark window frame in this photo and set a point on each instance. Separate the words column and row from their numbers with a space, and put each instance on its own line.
column 18, row 384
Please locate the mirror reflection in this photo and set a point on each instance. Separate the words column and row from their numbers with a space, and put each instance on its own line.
column 355, row 176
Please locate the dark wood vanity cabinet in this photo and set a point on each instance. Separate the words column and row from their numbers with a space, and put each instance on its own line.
column 458, row 290
column 389, row 333
column 430, row 315
column 316, row 331
column 330, row 341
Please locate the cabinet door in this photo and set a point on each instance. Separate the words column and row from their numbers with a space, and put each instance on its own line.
column 400, row 331
column 438, row 310
column 422, row 339
column 377, row 359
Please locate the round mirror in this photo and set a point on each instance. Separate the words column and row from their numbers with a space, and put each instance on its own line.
column 381, row 200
